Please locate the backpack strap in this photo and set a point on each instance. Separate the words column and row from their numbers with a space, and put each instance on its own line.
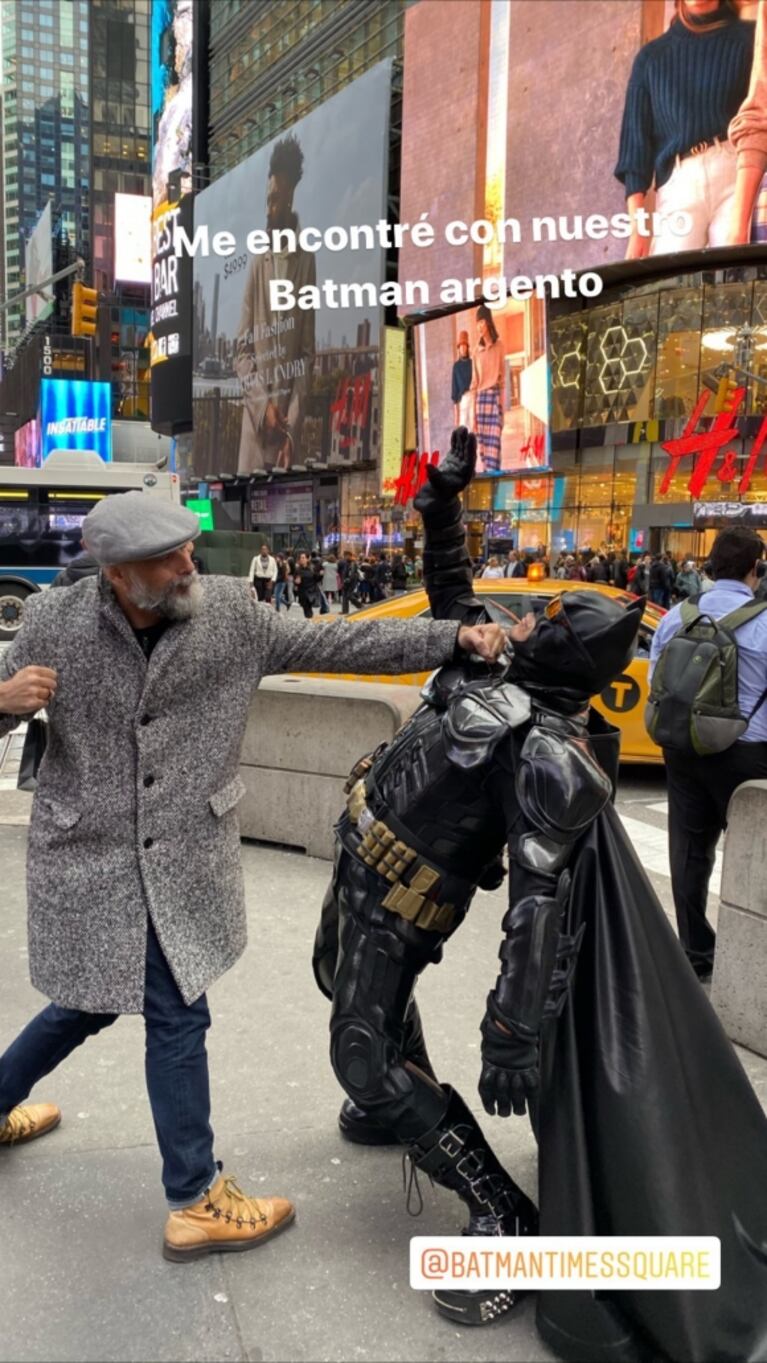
column 689, row 612
column 742, row 615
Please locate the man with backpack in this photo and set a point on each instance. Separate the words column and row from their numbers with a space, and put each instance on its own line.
column 708, row 669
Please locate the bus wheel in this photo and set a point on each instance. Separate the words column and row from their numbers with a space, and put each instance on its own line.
column 12, row 610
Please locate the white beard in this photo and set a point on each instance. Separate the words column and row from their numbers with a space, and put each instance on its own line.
column 172, row 603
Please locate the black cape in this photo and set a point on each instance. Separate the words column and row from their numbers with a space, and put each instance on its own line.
column 648, row 1125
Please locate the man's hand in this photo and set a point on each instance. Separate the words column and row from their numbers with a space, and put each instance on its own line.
column 27, row 691
column 509, row 1079
column 455, row 472
column 521, row 632
column 487, row 641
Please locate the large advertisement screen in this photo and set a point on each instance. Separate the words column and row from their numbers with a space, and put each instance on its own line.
column 579, row 134
column 38, row 265
column 274, row 388
column 171, row 76
column 486, row 370
column 76, row 415
column 171, row 277
column 133, row 238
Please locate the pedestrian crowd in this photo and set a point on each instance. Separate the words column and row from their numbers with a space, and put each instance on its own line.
column 315, row 581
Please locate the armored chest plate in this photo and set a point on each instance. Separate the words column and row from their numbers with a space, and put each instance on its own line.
column 478, row 719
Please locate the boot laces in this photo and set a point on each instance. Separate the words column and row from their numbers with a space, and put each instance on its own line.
column 18, row 1123
column 233, row 1205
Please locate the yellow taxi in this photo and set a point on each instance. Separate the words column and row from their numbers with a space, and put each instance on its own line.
column 622, row 702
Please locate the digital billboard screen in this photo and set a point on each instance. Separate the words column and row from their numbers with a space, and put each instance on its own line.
column 172, row 41
column 578, row 135
column 486, row 370
column 38, row 265
column 133, row 238
column 76, row 415
column 272, row 388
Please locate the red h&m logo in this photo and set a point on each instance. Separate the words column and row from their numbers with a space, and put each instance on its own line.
column 708, row 445
column 412, row 476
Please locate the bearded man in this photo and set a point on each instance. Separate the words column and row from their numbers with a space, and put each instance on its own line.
column 135, row 889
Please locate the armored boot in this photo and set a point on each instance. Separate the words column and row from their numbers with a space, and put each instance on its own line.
column 456, row 1155
column 358, row 1126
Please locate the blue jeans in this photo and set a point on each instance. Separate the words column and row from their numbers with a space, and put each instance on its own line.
column 280, row 591
column 176, row 1071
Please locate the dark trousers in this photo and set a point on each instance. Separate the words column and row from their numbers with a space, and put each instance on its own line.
column 263, row 586
column 176, row 1071
column 699, row 791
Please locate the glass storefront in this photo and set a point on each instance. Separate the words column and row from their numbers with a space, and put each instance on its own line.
column 658, row 407
column 648, row 354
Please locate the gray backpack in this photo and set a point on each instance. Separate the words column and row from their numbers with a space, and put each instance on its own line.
column 693, row 704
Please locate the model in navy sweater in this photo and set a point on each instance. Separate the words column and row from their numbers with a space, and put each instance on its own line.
column 684, row 88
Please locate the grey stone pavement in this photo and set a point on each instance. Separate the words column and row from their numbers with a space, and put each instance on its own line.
column 82, row 1274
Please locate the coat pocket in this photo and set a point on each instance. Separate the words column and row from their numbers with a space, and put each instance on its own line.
column 227, row 797
column 63, row 815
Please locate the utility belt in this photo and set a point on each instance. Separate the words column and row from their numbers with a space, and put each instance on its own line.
column 420, row 892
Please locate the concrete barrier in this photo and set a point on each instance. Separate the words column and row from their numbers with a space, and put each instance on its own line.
column 304, row 735
column 739, row 985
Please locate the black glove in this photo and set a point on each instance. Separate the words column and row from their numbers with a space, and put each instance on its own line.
column 454, row 474
column 493, row 874
column 509, row 1078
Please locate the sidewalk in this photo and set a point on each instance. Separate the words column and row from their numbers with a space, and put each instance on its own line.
column 83, row 1277
column 82, row 1273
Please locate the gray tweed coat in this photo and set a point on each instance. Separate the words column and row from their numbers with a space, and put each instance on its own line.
column 135, row 810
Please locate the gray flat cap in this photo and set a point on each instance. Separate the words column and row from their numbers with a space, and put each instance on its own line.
column 135, row 525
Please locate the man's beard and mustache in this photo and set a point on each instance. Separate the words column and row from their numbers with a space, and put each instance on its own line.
column 179, row 600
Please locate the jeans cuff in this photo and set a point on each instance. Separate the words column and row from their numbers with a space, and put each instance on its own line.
column 190, row 1201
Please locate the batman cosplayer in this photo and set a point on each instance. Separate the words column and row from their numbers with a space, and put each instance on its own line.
column 646, row 1122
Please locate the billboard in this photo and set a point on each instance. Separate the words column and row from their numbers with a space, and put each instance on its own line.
column 26, row 445
column 171, row 93
column 133, row 238
column 76, row 415
column 274, row 388
column 577, row 135
column 172, row 40
column 38, row 265
column 486, row 370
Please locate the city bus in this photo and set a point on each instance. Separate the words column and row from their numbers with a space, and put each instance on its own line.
column 41, row 516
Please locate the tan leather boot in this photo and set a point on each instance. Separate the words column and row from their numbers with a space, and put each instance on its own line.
column 27, row 1123
column 224, row 1219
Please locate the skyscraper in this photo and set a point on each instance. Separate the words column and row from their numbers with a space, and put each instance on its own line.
column 45, row 131
column 75, row 132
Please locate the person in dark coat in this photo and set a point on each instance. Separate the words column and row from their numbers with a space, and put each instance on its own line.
column 83, row 565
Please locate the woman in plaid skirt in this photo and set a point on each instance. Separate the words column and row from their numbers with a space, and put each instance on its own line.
column 487, row 387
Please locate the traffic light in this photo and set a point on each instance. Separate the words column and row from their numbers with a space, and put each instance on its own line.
column 725, row 389
column 85, row 309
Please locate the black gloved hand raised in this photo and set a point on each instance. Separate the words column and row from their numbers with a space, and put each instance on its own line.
column 509, row 1078
column 454, row 474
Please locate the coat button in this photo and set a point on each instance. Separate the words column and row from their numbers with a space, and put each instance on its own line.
column 148, row 780
column 146, row 719
column 148, row 842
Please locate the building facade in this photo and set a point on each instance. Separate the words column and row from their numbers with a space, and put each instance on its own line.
column 119, row 40
column 75, row 132
column 45, row 133
column 274, row 69
column 273, row 61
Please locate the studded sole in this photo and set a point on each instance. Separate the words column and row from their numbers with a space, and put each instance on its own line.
column 180, row 1255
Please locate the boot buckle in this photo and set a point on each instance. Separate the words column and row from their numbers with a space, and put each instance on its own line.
column 471, row 1166
column 451, row 1144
